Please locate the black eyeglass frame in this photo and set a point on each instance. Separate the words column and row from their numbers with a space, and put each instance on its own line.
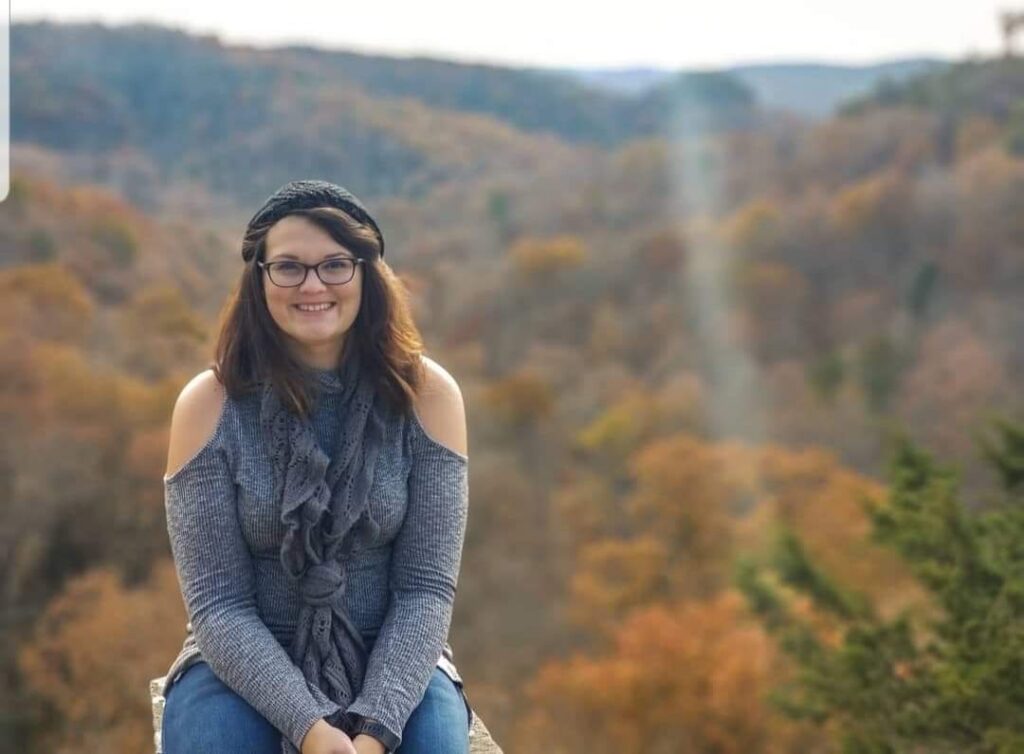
column 305, row 273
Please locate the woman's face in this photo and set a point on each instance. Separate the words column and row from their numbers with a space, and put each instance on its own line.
column 317, row 337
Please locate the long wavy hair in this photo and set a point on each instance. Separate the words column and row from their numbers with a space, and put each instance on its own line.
column 251, row 349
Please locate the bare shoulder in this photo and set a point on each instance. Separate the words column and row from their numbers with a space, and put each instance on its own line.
column 440, row 407
column 194, row 419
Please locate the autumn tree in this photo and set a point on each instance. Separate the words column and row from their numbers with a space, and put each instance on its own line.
column 653, row 556
column 535, row 260
column 681, row 678
column 88, row 663
column 160, row 332
column 45, row 302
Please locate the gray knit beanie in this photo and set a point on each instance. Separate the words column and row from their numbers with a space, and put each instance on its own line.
column 306, row 194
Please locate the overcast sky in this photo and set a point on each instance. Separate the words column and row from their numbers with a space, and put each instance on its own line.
column 548, row 33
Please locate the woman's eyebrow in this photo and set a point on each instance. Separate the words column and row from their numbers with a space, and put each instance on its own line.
column 289, row 255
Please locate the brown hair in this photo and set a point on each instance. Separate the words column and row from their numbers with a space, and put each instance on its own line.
column 251, row 348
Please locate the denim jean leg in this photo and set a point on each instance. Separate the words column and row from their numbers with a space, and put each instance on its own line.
column 203, row 716
column 440, row 723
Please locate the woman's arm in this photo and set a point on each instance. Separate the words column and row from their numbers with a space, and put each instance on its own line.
column 215, row 568
column 425, row 561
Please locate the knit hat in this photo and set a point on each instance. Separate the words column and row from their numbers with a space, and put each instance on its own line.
column 306, row 194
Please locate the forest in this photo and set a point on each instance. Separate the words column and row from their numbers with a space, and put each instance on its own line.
column 743, row 387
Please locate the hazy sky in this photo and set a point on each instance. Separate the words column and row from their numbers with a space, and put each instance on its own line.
column 549, row 33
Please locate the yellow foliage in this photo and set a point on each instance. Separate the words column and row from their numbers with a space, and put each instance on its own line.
column 117, row 238
column 160, row 331
column 69, row 386
column 976, row 132
column 618, row 430
column 753, row 226
column 162, row 310
column 534, row 258
column 68, row 389
column 874, row 201
column 46, row 302
column 520, row 399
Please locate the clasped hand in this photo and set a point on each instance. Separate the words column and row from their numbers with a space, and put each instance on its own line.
column 324, row 738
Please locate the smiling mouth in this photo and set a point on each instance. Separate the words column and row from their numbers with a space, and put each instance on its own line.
column 314, row 308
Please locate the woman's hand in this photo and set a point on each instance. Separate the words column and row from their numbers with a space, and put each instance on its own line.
column 368, row 745
column 324, row 738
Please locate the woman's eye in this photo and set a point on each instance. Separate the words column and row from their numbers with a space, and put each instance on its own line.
column 337, row 265
column 288, row 268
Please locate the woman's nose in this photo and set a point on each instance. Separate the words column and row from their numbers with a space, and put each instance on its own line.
column 312, row 282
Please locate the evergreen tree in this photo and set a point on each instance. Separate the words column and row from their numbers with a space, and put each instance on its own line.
column 950, row 682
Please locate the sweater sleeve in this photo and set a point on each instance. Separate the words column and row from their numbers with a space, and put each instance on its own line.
column 215, row 572
column 424, row 573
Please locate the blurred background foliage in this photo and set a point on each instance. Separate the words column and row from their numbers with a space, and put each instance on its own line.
column 686, row 321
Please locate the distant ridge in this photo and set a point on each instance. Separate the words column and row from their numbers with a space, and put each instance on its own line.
column 812, row 89
column 167, row 116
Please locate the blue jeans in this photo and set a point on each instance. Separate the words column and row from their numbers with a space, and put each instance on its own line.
column 203, row 716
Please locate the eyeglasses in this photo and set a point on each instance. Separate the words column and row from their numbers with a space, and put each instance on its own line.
column 289, row 274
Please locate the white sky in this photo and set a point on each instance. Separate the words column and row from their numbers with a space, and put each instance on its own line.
column 547, row 33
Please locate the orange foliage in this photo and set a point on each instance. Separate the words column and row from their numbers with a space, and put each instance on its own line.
column 614, row 577
column 668, row 551
column 680, row 678
column 812, row 493
column 93, row 653
column 684, row 495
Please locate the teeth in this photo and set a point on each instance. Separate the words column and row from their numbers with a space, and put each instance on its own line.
column 313, row 307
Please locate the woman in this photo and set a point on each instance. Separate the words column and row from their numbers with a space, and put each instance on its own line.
column 316, row 496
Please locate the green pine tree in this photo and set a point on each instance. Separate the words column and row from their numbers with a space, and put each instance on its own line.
column 952, row 683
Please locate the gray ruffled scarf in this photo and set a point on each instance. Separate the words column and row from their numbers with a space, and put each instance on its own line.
column 324, row 505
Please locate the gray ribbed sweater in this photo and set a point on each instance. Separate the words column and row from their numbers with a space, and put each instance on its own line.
column 225, row 533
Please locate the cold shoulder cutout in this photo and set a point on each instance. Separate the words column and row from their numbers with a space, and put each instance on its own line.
column 424, row 442
column 195, row 421
column 439, row 410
